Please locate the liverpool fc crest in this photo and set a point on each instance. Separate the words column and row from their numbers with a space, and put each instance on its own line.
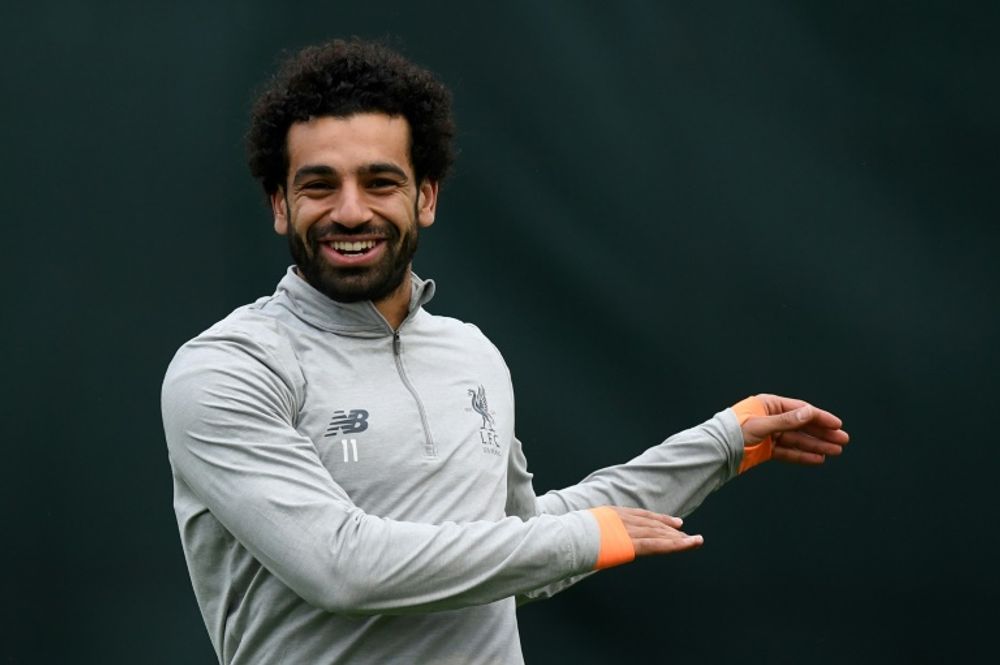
column 487, row 433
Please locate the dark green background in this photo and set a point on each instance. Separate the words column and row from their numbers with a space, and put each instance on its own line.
column 658, row 209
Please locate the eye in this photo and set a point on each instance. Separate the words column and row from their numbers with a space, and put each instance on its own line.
column 381, row 183
column 317, row 189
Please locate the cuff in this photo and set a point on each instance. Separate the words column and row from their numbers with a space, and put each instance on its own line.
column 759, row 452
column 616, row 546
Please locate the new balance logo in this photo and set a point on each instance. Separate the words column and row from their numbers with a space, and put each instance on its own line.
column 350, row 422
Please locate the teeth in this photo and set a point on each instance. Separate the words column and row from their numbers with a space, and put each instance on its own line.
column 357, row 246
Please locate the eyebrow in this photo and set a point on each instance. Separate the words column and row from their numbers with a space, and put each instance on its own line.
column 368, row 169
column 382, row 167
column 309, row 170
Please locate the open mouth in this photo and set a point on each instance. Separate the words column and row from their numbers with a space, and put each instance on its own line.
column 352, row 252
column 355, row 248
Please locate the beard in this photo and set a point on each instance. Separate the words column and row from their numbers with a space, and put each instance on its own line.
column 355, row 284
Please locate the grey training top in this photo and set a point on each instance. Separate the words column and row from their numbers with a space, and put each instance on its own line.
column 347, row 493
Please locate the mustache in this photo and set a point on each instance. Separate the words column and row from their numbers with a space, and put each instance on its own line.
column 387, row 231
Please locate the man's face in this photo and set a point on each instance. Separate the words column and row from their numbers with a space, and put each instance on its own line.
column 351, row 207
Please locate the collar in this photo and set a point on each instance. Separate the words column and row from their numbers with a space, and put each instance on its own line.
column 325, row 313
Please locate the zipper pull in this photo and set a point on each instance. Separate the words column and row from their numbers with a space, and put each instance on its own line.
column 395, row 343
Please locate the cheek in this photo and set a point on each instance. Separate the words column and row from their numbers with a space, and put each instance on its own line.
column 399, row 212
column 302, row 232
column 301, row 221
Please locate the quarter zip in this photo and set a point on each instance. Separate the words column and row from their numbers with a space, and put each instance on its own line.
column 430, row 450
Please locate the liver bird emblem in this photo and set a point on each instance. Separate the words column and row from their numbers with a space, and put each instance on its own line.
column 480, row 406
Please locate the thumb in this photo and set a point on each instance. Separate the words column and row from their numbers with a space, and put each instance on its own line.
column 761, row 427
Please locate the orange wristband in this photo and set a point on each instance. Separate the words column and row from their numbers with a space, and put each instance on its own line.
column 759, row 452
column 616, row 546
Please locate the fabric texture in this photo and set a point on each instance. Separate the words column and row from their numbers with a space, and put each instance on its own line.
column 349, row 493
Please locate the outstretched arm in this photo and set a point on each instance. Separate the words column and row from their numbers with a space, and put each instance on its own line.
column 675, row 476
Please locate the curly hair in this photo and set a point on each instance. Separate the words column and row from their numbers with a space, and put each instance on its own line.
column 341, row 78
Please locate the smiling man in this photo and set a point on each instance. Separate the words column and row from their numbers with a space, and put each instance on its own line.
column 347, row 481
column 352, row 209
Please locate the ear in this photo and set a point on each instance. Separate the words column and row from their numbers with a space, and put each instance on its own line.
column 427, row 194
column 279, row 206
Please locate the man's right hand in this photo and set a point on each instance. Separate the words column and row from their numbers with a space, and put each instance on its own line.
column 653, row 533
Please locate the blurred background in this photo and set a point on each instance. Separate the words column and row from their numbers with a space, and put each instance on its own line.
column 658, row 209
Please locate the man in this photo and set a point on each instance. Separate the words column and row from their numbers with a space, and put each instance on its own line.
column 348, row 485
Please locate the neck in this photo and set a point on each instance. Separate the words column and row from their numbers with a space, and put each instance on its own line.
column 395, row 306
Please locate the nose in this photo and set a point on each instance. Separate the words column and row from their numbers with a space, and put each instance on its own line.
column 350, row 208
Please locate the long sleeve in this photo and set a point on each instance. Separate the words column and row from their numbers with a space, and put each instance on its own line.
column 229, row 411
column 673, row 477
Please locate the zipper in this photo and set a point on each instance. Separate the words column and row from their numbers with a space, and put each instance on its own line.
column 430, row 450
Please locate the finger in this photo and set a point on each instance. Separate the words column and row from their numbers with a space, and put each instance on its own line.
column 641, row 527
column 795, row 456
column 641, row 533
column 760, row 427
column 645, row 524
column 805, row 416
column 641, row 514
column 838, row 436
column 823, row 418
column 648, row 546
column 776, row 405
column 809, row 444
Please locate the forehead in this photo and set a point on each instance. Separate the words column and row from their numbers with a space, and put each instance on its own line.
column 346, row 144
